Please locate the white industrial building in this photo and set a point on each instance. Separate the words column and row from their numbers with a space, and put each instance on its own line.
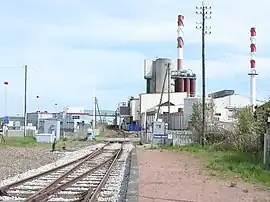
column 144, row 108
column 70, row 118
column 149, row 105
column 227, row 106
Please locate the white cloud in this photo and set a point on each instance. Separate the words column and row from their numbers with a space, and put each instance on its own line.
column 43, row 35
column 155, row 21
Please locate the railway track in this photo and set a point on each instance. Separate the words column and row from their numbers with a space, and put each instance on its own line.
column 81, row 180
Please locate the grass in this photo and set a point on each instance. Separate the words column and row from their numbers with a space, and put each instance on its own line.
column 27, row 141
column 247, row 165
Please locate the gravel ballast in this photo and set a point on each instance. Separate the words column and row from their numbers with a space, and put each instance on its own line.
column 115, row 188
column 36, row 169
column 17, row 160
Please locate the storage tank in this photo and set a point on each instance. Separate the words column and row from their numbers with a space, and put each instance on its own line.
column 192, row 87
column 148, row 67
column 160, row 68
column 134, row 109
column 148, row 74
column 148, row 86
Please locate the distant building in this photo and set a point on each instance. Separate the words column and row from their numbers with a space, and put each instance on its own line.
column 15, row 122
column 71, row 118
column 227, row 103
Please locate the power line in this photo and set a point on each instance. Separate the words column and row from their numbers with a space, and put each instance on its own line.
column 205, row 12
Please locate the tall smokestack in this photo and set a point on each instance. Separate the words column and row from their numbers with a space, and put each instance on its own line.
column 180, row 41
column 253, row 72
column 179, row 82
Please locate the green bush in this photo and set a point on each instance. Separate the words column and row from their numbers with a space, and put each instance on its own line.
column 248, row 131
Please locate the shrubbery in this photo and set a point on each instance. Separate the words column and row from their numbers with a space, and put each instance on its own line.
column 245, row 134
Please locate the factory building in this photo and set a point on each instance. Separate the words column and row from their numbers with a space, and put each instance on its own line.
column 37, row 118
column 227, row 102
column 74, row 118
column 143, row 110
column 149, row 104
column 166, row 76
column 155, row 73
column 71, row 118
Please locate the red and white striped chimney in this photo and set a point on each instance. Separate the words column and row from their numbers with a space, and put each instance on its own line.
column 179, row 83
column 253, row 72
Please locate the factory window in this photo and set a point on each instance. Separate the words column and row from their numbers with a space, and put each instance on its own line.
column 75, row 117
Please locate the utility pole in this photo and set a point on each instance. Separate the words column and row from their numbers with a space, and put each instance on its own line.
column 94, row 114
column 169, row 93
column 205, row 12
column 162, row 92
column 25, row 100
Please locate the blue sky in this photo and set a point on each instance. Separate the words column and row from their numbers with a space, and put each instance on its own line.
column 74, row 46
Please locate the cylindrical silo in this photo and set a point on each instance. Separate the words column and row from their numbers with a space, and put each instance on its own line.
column 181, row 85
column 148, row 74
column 160, row 72
column 177, row 85
column 187, row 86
column 193, row 87
column 148, row 86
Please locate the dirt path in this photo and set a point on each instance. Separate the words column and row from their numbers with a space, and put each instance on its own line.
column 177, row 176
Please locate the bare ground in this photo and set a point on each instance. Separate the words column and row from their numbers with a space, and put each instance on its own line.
column 177, row 176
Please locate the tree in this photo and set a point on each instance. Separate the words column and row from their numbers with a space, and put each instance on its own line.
column 213, row 132
column 246, row 134
column 249, row 130
column 196, row 115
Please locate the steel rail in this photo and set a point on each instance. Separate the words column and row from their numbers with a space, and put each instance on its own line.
column 63, row 176
column 45, row 195
column 3, row 189
column 92, row 197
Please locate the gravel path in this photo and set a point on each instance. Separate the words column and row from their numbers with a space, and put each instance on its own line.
column 174, row 176
column 18, row 160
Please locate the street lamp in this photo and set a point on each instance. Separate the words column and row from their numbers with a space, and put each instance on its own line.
column 37, row 103
column 56, row 113
column 5, row 103
column 205, row 12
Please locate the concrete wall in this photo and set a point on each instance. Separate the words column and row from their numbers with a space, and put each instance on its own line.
column 179, row 138
column 20, row 133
